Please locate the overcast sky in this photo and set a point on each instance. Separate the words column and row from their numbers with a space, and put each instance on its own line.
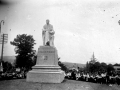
column 81, row 26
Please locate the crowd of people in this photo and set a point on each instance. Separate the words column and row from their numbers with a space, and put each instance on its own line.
column 12, row 75
column 102, row 78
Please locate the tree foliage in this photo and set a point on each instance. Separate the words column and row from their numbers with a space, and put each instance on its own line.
column 7, row 66
column 99, row 67
column 93, row 66
column 24, row 49
column 63, row 67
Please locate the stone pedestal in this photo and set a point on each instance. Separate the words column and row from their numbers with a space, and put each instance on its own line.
column 46, row 69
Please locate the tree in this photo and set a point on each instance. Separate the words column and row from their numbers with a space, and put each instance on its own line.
column 103, row 67
column 93, row 59
column 93, row 66
column 7, row 66
column 87, row 66
column 110, row 68
column 98, row 67
column 63, row 67
column 116, row 64
column 24, row 49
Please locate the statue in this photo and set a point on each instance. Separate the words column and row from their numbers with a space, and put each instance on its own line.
column 48, row 34
column 46, row 69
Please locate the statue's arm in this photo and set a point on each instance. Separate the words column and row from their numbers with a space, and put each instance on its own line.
column 53, row 29
column 52, row 32
column 43, row 30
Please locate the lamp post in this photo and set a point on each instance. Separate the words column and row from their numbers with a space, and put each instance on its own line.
column 1, row 68
column 2, row 21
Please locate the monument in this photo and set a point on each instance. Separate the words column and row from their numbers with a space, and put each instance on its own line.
column 46, row 69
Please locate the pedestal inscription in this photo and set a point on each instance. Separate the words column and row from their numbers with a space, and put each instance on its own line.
column 47, row 55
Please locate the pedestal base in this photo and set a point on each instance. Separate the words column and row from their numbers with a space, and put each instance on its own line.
column 46, row 69
column 45, row 74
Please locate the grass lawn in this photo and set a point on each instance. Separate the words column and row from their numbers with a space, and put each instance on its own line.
column 21, row 84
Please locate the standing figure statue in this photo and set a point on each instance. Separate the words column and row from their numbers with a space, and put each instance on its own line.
column 48, row 34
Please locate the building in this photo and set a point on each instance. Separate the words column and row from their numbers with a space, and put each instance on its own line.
column 117, row 68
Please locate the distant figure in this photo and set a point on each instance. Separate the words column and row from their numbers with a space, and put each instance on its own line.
column 48, row 34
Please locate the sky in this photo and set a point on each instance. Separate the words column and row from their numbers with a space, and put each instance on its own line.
column 81, row 27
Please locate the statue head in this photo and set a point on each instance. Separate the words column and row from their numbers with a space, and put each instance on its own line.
column 47, row 21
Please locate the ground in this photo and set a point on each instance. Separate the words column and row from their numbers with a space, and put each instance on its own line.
column 21, row 84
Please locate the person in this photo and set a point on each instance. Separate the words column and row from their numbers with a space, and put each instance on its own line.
column 48, row 34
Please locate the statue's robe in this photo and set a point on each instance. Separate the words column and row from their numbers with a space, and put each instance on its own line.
column 46, row 35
